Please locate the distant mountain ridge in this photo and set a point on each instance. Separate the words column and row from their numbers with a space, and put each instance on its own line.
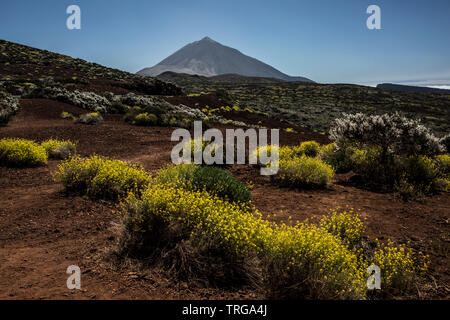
column 210, row 58
column 184, row 78
column 403, row 88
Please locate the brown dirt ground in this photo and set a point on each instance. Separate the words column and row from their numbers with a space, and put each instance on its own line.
column 43, row 230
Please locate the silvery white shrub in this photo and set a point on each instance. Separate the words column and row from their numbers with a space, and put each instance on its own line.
column 189, row 112
column 394, row 133
column 9, row 105
column 86, row 100
column 132, row 99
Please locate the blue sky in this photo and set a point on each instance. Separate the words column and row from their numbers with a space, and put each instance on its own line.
column 325, row 40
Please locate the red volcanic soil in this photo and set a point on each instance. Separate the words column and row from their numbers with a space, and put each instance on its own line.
column 43, row 230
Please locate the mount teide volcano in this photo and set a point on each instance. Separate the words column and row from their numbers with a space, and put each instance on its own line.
column 210, row 58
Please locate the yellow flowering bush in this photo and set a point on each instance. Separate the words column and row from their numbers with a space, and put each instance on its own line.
column 283, row 152
column 442, row 163
column 196, row 233
column 59, row 149
column 306, row 261
column 146, row 119
column 67, row 116
column 399, row 266
column 303, row 172
column 266, row 150
column 21, row 153
column 101, row 177
column 298, row 165
column 233, row 228
column 298, row 261
column 308, row 148
column 346, row 225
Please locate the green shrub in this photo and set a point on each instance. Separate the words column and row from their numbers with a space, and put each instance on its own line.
column 221, row 183
column 57, row 149
column 421, row 172
column 118, row 108
column 100, row 177
column 310, row 148
column 4, row 118
column 21, row 153
column 93, row 118
column 213, row 180
column 303, row 172
column 339, row 159
column 368, row 164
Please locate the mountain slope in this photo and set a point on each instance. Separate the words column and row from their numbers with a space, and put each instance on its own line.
column 210, row 58
column 20, row 63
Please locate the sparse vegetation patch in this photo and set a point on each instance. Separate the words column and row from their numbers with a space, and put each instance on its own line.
column 59, row 149
column 93, row 118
